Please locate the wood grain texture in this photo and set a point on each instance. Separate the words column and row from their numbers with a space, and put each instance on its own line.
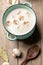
column 36, row 38
column 37, row 6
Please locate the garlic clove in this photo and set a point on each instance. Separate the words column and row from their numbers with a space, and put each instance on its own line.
column 6, row 63
column 16, row 52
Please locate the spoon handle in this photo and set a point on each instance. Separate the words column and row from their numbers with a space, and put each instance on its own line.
column 23, row 62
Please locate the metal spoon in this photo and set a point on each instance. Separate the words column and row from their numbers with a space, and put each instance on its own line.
column 31, row 54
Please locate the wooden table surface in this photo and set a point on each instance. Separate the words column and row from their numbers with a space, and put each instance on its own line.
column 36, row 38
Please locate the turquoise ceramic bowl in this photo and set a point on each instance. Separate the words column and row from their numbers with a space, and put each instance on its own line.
column 27, row 6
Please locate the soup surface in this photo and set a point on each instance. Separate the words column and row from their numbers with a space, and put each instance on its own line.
column 20, row 21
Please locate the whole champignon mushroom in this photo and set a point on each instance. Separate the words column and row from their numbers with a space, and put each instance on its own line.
column 12, row 2
column 16, row 52
column 6, row 63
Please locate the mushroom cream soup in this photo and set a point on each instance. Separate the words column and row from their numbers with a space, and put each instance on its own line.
column 20, row 21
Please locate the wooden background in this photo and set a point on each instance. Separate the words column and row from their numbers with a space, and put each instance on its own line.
column 36, row 38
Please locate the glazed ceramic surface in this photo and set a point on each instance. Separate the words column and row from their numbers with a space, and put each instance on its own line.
column 27, row 6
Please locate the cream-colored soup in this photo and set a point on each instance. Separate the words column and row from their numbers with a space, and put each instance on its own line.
column 20, row 21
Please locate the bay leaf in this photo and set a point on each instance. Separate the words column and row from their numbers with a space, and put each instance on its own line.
column 4, row 54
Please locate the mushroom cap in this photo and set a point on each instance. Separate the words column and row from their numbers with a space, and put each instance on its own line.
column 5, row 63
